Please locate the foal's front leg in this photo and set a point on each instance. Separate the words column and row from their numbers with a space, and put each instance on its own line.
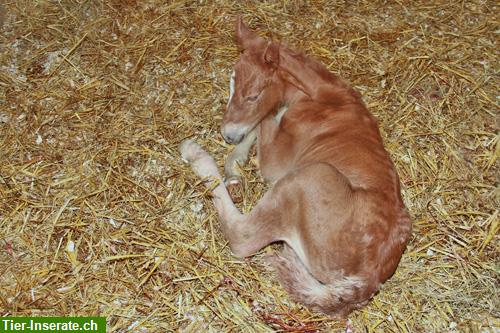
column 246, row 233
column 238, row 157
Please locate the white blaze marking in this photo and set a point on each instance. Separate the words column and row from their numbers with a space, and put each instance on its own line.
column 231, row 87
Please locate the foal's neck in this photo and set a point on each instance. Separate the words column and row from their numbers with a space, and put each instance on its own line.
column 312, row 78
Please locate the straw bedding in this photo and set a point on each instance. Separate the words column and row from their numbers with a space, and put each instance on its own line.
column 99, row 216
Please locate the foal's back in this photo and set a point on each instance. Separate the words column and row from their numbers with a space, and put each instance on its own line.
column 345, row 136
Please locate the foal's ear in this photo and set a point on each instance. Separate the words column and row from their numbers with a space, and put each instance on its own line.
column 272, row 54
column 244, row 36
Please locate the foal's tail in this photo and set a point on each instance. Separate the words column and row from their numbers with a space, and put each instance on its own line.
column 337, row 299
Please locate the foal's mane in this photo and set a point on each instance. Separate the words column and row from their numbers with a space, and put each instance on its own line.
column 316, row 80
column 311, row 63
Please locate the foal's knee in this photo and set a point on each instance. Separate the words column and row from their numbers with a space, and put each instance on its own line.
column 244, row 249
column 245, row 239
column 239, row 252
column 236, row 243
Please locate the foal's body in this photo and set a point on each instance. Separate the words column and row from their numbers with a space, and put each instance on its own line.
column 336, row 199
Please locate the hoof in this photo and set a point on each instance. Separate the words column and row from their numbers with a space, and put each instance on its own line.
column 232, row 180
column 235, row 189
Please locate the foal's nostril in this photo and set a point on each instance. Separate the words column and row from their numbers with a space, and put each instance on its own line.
column 232, row 140
column 227, row 139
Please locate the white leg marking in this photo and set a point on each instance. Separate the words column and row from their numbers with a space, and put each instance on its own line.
column 204, row 166
column 239, row 156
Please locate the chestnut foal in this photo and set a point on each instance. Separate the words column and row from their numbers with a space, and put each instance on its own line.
column 335, row 201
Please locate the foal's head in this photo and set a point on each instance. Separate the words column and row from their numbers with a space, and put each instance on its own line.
column 255, row 88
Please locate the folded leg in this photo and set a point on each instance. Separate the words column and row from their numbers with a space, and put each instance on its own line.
column 246, row 233
column 238, row 157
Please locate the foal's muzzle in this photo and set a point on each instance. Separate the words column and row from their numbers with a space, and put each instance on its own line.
column 233, row 133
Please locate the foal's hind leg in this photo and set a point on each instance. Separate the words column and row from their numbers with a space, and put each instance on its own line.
column 238, row 157
column 246, row 233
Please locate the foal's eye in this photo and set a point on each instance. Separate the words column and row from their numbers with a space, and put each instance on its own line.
column 252, row 98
